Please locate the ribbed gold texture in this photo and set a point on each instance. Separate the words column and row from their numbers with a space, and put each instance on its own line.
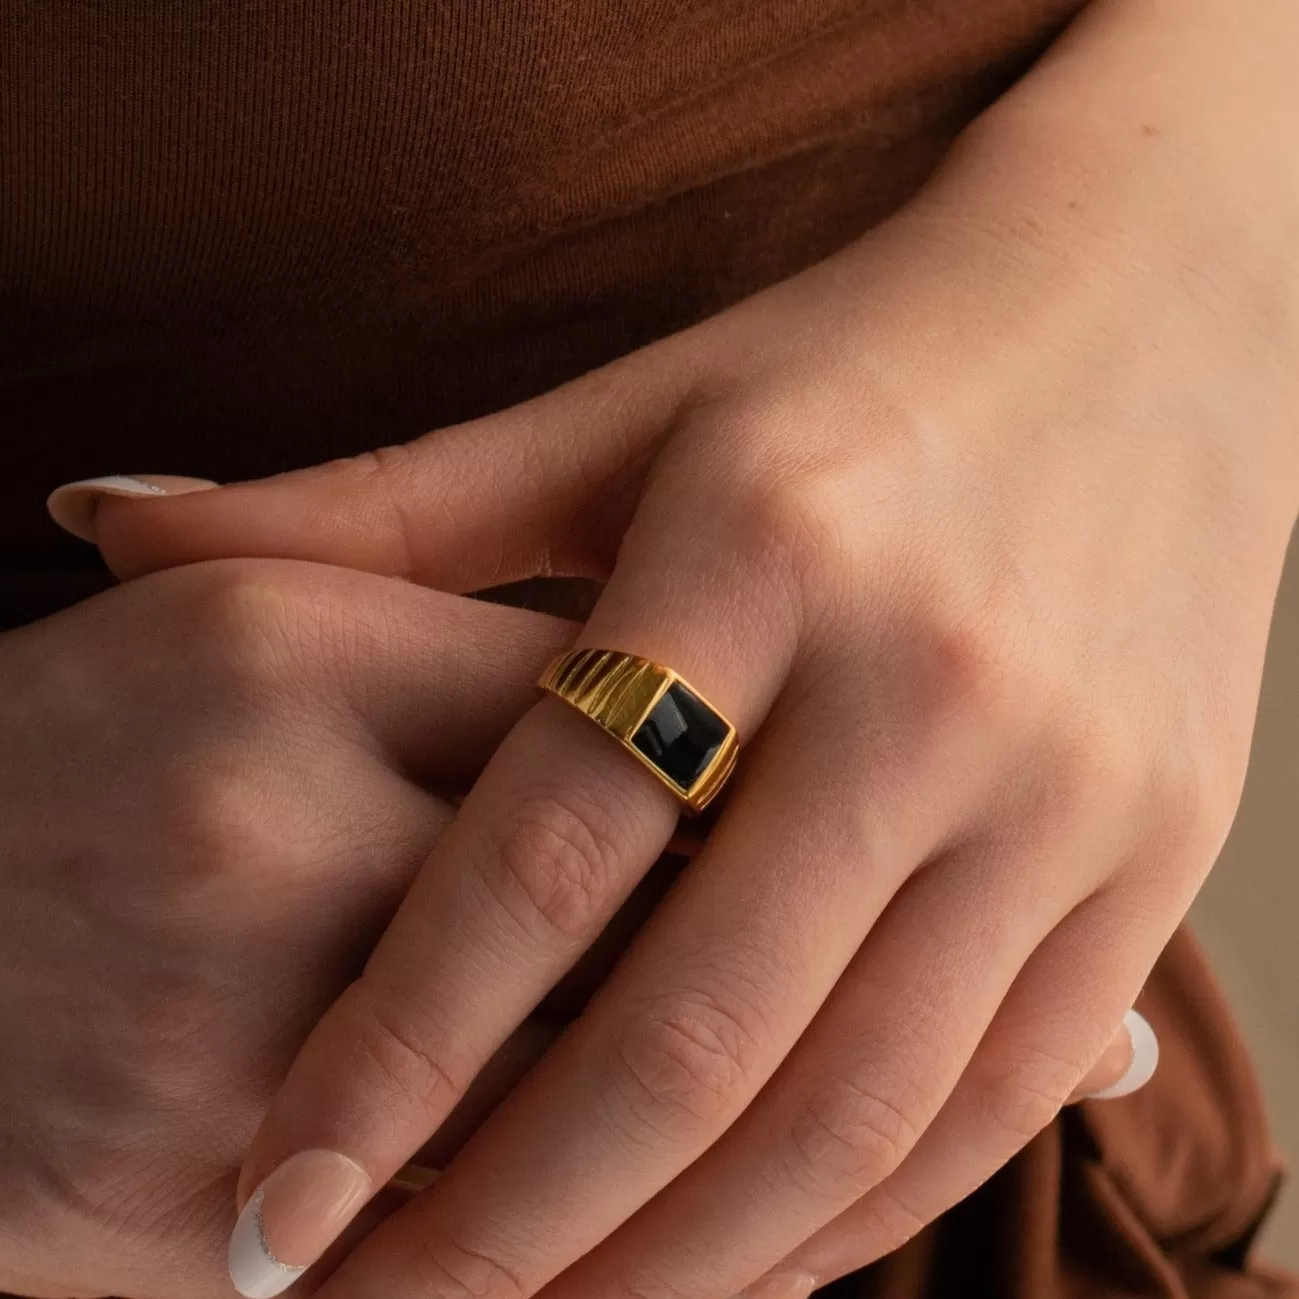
column 616, row 690
column 709, row 785
column 619, row 691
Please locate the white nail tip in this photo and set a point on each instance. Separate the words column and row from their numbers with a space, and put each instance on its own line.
column 1145, row 1059
column 118, row 483
column 255, row 1271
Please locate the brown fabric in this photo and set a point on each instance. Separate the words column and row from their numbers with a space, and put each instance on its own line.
column 1158, row 1195
column 242, row 235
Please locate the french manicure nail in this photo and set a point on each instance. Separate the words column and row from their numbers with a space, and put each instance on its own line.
column 780, row 1285
column 1145, row 1059
column 73, row 505
column 292, row 1218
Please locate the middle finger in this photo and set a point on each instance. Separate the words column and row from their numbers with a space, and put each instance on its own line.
column 730, row 971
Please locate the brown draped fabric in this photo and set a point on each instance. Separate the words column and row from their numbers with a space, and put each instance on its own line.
column 242, row 235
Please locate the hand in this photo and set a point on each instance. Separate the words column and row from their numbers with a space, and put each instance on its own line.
column 974, row 530
column 212, row 802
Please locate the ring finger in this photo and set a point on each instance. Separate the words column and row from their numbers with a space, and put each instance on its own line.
column 1055, row 1020
column 554, row 835
column 864, row 1083
column 729, row 973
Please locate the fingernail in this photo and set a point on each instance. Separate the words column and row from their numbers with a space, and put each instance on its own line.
column 780, row 1285
column 292, row 1218
column 73, row 505
column 1141, row 1068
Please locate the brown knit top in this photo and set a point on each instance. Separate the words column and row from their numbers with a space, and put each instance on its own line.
column 242, row 235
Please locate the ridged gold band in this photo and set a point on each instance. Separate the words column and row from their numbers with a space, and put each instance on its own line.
column 654, row 714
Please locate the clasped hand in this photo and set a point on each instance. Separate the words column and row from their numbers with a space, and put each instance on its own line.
column 984, row 581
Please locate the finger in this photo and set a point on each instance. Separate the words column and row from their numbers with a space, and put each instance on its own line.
column 727, row 975
column 431, row 681
column 511, row 895
column 511, row 1063
column 75, row 506
column 501, row 1075
column 545, row 487
column 553, row 837
column 858, row 1091
column 1046, row 1035
column 498, row 1078
column 1127, row 1065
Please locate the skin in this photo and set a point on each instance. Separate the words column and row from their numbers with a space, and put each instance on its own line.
column 974, row 530
column 243, row 739
column 211, row 812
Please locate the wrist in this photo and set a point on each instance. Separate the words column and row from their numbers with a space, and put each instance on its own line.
column 1036, row 265
column 1132, row 194
column 1200, row 91
column 1192, row 251
column 1171, row 127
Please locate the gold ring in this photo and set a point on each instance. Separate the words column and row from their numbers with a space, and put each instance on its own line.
column 655, row 715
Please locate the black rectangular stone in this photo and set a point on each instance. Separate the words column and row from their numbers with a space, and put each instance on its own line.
column 681, row 735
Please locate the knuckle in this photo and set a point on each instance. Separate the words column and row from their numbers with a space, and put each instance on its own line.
column 785, row 529
column 555, row 864
column 223, row 816
column 847, row 1137
column 977, row 667
column 386, row 473
column 686, row 1066
column 1022, row 1098
column 1191, row 807
column 445, row 1269
column 402, row 1052
column 887, row 1221
column 248, row 622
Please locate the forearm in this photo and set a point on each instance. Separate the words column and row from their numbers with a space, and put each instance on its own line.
column 1191, row 106
column 1147, row 171
column 1214, row 78
column 1195, row 104
column 1204, row 94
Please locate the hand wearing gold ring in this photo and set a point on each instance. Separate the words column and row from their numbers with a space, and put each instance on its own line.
column 973, row 533
column 654, row 715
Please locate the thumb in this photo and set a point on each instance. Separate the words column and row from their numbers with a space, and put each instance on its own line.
column 75, row 506
column 545, row 487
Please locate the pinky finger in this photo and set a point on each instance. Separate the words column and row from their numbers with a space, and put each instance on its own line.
column 1127, row 1065
column 1041, row 1052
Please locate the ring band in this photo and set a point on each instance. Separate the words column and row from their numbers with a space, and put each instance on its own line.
column 655, row 715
